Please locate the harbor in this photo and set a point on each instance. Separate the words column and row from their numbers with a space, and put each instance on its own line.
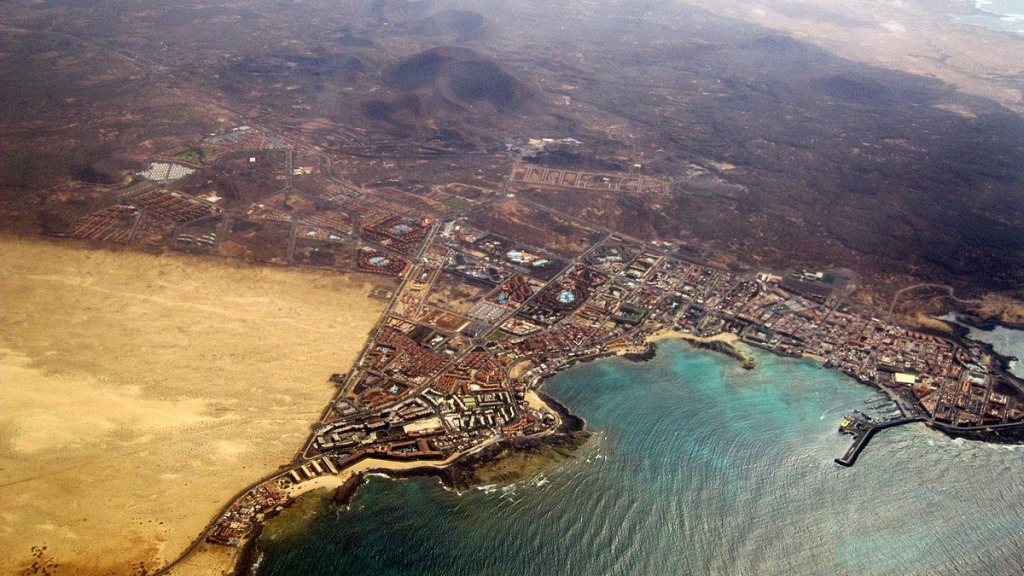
column 863, row 428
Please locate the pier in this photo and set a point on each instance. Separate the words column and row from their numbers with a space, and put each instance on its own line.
column 862, row 431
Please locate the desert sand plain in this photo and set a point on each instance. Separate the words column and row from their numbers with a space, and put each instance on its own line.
column 139, row 393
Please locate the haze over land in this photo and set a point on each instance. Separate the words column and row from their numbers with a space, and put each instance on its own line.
column 923, row 37
column 479, row 150
column 778, row 152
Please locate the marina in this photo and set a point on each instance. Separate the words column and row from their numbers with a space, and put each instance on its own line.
column 654, row 455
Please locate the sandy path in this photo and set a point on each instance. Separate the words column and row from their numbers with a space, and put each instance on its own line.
column 138, row 393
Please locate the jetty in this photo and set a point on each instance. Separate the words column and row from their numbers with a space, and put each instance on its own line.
column 862, row 431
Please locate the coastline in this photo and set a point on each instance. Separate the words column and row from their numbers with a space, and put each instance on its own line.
column 570, row 426
column 668, row 334
column 464, row 472
column 240, row 561
column 459, row 471
column 542, row 511
column 962, row 330
column 1009, row 434
column 503, row 459
column 723, row 343
column 129, row 399
column 985, row 323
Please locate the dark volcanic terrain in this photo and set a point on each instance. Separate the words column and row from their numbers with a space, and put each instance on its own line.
column 447, row 83
column 524, row 184
column 775, row 153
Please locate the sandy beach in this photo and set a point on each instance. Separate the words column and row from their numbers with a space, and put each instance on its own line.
column 534, row 401
column 140, row 393
column 371, row 464
column 220, row 560
column 660, row 335
column 210, row 560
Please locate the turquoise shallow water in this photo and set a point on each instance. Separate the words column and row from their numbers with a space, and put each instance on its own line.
column 696, row 467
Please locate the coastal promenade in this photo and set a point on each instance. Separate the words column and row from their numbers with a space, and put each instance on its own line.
column 479, row 320
column 436, row 379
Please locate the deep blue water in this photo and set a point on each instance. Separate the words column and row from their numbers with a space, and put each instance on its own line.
column 696, row 467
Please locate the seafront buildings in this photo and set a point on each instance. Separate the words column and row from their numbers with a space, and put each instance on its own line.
column 479, row 320
column 488, row 303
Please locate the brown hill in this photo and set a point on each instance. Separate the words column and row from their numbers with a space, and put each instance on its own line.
column 444, row 81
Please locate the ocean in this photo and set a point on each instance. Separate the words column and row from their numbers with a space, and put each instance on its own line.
column 696, row 466
column 1005, row 341
column 999, row 15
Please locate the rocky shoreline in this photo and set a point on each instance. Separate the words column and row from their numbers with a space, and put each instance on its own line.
column 648, row 354
column 477, row 469
column 985, row 323
column 726, row 349
column 512, row 459
column 248, row 555
column 962, row 329
column 1008, row 435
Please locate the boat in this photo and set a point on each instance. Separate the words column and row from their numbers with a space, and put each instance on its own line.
column 878, row 402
